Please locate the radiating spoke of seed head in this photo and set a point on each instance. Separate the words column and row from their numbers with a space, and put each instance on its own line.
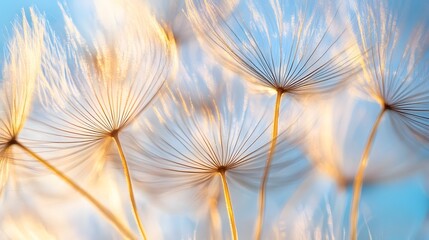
column 396, row 66
column 299, row 47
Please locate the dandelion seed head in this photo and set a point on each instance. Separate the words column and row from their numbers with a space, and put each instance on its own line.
column 21, row 71
column 310, row 54
column 20, row 74
column 223, row 134
column 103, row 83
column 395, row 67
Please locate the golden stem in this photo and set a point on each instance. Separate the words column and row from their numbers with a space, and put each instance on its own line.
column 118, row 224
column 228, row 204
column 129, row 185
column 262, row 189
column 358, row 181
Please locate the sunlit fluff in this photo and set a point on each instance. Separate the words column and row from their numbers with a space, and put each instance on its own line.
column 110, row 80
column 297, row 47
column 20, row 74
column 396, row 67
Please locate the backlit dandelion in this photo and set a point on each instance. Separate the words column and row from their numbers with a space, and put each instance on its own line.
column 395, row 72
column 112, row 79
column 291, row 48
column 224, row 139
column 19, row 82
column 21, row 74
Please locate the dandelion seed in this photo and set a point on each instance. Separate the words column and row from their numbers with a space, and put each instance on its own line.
column 221, row 140
column 292, row 48
column 20, row 73
column 20, row 84
column 395, row 72
column 111, row 80
column 297, row 49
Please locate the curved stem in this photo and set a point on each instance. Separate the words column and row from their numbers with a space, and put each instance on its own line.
column 262, row 189
column 228, row 204
column 129, row 185
column 118, row 224
column 358, row 182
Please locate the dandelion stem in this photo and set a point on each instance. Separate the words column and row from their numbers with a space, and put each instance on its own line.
column 228, row 204
column 262, row 189
column 119, row 225
column 129, row 185
column 358, row 181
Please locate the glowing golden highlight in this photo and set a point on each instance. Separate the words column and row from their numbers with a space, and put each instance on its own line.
column 262, row 189
column 359, row 178
column 228, row 203
column 129, row 185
